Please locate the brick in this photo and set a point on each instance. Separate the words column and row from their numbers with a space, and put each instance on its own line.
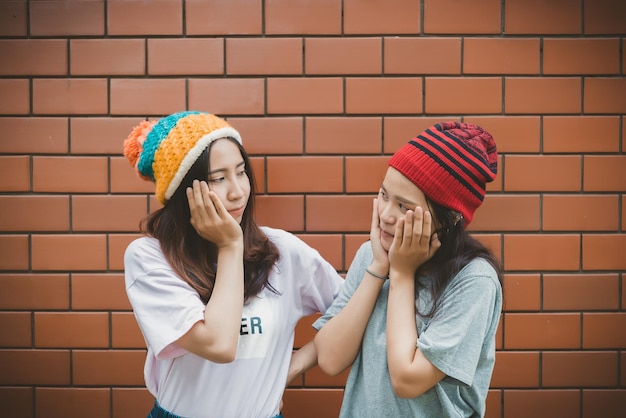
column 341, row 135
column 353, row 242
column 14, row 96
column 270, row 135
column 384, row 95
column 34, row 291
column 540, row 17
column 275, row 56
column 604, row 173
column 34, row 367
column 541, row 403
column 603, row 403
column 284, row 17
column 576, row 134
column 397, row 131
column 304, row 331
column 381, row 17
column 105, row 368
column 542, row 95
column 579, row 369
column 27, row 55
column 304, row 95
column 343, row 56
column 365, row 174
column 605, row 17
column 147, row 96
column 216, row 17
column 117, row 244
column 228, row 96
column 68, row 252
column 541, row 331
column 338, row 213
column 315, row 174
column 66, row 18
column 330, row 246
column 604, row 252
column 493, row 242
column 501, row 56
column 468, row 18
column 407, row 55
column 257, row 166
column 35, row 135
column 600, row 330
column 70, row 96
column 125, row 332
column 16, row 329
column 471, row 95
column 70, row 174
column 549, row 173
column 102, row 292
column 107, row 57
column 17, row 402
column 584, row 213
column 14, row 174
column 107, row 213
column 515, row 369
column 137, row 17
column 23, row 213
column 184, row 56
column 508, row 212
column 542, row 252
column 581, row 56
column 513, row 134
column 124, row 178
column 493, row 404
column 311, row 403
column 74, row 402
column 94, row 135
column 71, row 329
column 14, row 252
column 522, row 292
column 285, row 212
column 13, row 19
column 605, row 95
column 131, row 402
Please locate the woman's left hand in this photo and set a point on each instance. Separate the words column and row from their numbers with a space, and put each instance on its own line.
column 414, row 242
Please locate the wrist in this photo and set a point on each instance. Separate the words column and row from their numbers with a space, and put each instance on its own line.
column 376, row 273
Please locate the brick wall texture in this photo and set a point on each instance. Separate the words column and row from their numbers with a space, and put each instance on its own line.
column 323, row 93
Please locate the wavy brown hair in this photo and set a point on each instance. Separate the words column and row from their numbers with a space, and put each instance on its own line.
column 193, row 258
column 457, row 249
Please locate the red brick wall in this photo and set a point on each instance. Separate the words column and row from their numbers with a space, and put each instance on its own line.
column 323, row 92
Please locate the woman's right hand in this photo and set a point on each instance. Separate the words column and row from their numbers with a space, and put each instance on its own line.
column 210, row 218
column 381, row 257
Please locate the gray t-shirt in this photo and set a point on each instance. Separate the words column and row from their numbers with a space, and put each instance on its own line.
column 459, row 340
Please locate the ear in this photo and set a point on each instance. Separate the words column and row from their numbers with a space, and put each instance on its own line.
column 457, row 218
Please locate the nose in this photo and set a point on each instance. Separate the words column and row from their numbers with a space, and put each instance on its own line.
column 387, row 214
column 235, row 191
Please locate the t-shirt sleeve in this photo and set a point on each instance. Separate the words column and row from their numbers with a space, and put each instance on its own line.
column 165, row 306
column 454, row 338
column 353, row 278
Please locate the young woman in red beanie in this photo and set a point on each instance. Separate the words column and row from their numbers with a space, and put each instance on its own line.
column 417, row 317
column 216, row 296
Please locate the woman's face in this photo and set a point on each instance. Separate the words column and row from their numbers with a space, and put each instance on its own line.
column 228, row 177
column 396, row 195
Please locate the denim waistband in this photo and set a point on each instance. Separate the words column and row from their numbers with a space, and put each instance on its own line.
column 158, row 412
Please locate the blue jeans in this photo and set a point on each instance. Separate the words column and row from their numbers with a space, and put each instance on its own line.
column 158, row 412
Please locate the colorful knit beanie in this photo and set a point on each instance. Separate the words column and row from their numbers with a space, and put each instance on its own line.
column 164, row 151
column 451, row 163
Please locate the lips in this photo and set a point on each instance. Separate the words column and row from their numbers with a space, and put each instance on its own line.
column 237, row 212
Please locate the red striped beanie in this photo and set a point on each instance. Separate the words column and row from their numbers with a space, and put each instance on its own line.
column 451, row 163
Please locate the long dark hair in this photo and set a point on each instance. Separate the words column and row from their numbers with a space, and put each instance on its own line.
column 193, row 258
column 457, row 249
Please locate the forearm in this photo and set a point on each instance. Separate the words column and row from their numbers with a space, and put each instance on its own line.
column 339, row 340
column 302, row 360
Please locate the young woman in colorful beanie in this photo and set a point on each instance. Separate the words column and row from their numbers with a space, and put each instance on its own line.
column 216, row 296
column 417, row 316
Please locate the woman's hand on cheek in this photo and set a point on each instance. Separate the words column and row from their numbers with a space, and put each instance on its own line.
column 414, row 242
column 381, row 257
column 209, row 217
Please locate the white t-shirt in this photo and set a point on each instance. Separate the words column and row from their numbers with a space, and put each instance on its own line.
column 251, row 386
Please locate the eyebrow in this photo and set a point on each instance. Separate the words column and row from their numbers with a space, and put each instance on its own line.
column 241, row 164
